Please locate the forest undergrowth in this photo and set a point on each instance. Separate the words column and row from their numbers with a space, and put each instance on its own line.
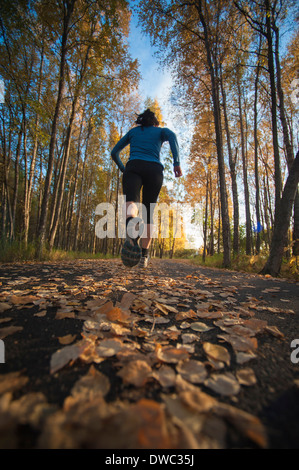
column 14, row 252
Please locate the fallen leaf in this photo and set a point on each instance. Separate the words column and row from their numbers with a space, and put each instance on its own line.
column 185, row 315
column 23, row 299
column 4, row 306
column 249, row 425
column 63, row 356
column 41, row 314
column 66, row 312
column 91, row 385
column 135, row 373
column 209, row 315
column 274, row 331
column 242, row 357
column 109, row 347
column 217, row 352
column 198, row 400
column 118, row 315
column 67, row 339
column 12, row 381
column 165, row 375
column 172, row 355
column 32, row 409
column 189, row 338
column 240, row 343
column 201, row 327
column 9, row 330
column 246, row 377
column 224, row 384
column 192, row 370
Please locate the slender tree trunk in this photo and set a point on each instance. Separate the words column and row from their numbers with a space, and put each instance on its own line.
column 68, row 11
column 16, row 182
column 286, row 138
column 219, row 144
column 205, row 228
column 256, row 163
column 232, row 166
column 282, row 221
column 67, row 148
column 75, row 246
column 212, row 219
column 245, row 175
column 69, row 226
column 278, row 183
column 28, row 193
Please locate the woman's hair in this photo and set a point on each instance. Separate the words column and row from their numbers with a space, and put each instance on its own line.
column 147, row 118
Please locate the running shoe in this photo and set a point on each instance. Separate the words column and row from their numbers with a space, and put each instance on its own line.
column 131, row 251
column 143, row 263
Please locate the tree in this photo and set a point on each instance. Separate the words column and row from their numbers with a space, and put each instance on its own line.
column 282, row 221
column 182, row 29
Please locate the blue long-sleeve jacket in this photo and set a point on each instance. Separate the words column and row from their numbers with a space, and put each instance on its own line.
column 145, row 144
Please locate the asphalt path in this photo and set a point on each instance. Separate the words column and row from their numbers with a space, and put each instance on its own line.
column 32, row 332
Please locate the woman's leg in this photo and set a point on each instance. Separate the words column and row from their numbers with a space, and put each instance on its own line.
column 152, row 184
column 146, row 237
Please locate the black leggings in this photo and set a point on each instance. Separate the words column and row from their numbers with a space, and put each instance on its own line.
column 148, row 176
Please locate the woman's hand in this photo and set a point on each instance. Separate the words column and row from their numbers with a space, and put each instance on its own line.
column 177, row 171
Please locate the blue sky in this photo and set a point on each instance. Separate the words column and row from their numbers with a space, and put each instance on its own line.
column 155, row 82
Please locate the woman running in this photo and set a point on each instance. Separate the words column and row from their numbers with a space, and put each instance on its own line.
column 144, row 170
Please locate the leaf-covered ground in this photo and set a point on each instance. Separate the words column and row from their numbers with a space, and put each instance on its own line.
column 175, row 357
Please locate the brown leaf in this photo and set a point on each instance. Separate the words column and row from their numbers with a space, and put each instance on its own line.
column 91, row 385
column 23, row 299
column 242, row 357
column 40, row 314
column 4, row 306
column 246, row 377
column 185, row 315
column 274, row 331
column 172, row 355
column 152, row 431
column 11, row 382
column 66, row 312
column 67, row 339
column 62, row 357
column 249, row 425
column 188, row 338
column 240, row 343
column 9, row 330
column 118, row 315
column 181, row 411
column 165, row 308
column 198, row 400
column 224, row 384
column 5, row 320
column 109, row 347
column 136, row 373
column 217, row 352
column 209, row 315
column 192, row 370
column 95, row 304
column 200, row 327
column 127, row 301
column 165, row 376
column 32, row 409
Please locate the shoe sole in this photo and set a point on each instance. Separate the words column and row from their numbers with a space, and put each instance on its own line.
column 130, row 253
